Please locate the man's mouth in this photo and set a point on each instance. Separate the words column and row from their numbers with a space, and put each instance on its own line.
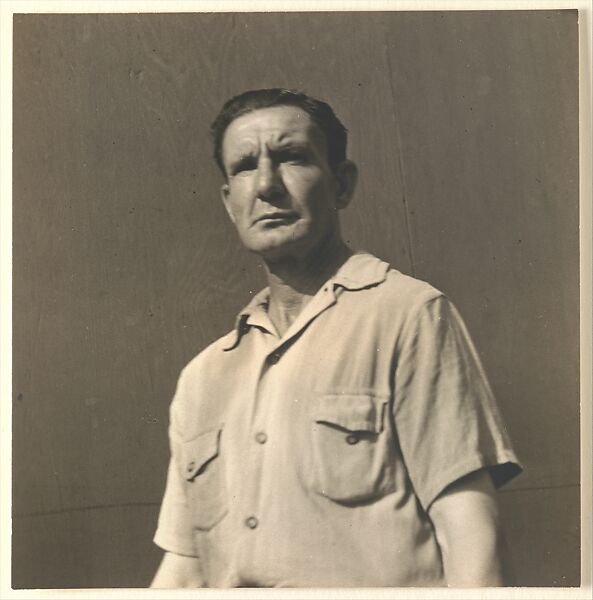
column 279, row 218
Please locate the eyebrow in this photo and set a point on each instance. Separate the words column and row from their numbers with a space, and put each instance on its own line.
column 242, row 159
column 274, row 148
column 290, row 145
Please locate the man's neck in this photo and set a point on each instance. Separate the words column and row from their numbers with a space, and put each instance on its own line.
column 295, row 280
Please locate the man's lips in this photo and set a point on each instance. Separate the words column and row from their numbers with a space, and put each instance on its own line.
column 276, row 217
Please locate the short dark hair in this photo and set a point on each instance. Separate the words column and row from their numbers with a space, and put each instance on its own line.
column 321, row 114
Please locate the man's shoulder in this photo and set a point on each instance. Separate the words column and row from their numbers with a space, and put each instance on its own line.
column 405, row 292
column 408, row 286
column 212, row 354
column 201, row 384
column 365, row 271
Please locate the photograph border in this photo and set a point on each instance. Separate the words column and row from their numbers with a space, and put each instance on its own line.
column 8, row 9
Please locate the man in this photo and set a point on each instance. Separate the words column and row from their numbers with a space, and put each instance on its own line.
column 343, row 433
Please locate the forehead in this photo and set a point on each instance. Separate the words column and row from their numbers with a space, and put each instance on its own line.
column 273, row 125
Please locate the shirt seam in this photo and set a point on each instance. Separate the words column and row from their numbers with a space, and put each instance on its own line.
column 423, row 301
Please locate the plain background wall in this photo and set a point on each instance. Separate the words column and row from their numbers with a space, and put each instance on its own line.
column 465, row 129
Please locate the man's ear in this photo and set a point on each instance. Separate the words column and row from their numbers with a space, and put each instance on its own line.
column 224, row 195
column 346, row 175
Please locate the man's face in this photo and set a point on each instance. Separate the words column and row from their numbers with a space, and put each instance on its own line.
column 280, row 193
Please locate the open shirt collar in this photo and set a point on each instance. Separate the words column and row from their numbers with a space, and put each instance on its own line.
column 361, row 270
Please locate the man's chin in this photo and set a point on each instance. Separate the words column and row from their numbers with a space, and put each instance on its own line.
column 278, row 250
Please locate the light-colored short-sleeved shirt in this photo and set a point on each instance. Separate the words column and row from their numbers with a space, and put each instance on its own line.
column 311, row 459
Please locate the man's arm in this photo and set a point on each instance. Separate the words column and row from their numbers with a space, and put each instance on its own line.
column 465, row 517
column 176, row 571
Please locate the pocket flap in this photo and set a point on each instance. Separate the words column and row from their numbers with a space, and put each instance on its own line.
column 197, row 453
column 354, row 412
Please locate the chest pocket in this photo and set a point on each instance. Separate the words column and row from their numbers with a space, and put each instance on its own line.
column 350, row 457
column 202, row 467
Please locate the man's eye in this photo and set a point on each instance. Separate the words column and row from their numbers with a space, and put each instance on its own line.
column 244, row 165
column 295, row 157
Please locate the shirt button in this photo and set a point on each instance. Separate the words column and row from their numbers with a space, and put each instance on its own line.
column 352, row 439
column 261, row 437
column 274, row 358
column 191, row 466
column 251, row 522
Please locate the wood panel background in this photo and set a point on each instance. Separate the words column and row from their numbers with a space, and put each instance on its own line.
column 465, row 128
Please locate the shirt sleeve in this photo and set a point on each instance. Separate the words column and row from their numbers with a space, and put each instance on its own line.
column 174, row 530
column 447, row 420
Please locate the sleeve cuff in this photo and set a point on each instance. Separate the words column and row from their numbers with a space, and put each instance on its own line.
column 176, row 546
column 502, row 467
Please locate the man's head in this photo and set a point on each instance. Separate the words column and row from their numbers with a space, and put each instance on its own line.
column 285, row 178
column 320, row 113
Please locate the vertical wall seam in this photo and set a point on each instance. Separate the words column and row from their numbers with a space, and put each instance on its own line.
column 400, row 154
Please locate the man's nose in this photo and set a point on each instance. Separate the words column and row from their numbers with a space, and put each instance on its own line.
column 269, row 183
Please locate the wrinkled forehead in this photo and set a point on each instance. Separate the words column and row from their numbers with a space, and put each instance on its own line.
column 275, row 126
